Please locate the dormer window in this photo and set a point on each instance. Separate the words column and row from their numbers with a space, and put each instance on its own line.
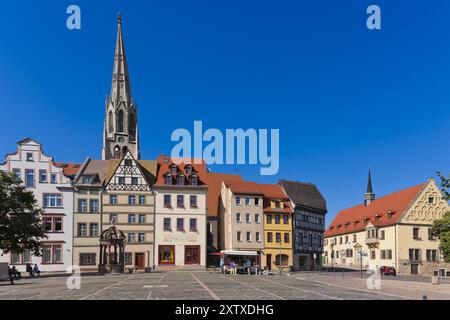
column 377, row 217
column 173, row 169
column 389, row 214
column 194, row 180
column 180, row 180
column 188, row 169
column 87, row 180
column 168, row 179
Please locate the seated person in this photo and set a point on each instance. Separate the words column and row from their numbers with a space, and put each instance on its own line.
column 36, row 270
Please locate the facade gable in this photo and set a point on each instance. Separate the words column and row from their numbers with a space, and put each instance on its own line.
column 426, row 207
column 128, row 175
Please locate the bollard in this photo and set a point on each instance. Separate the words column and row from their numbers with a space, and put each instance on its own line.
column 424, row 297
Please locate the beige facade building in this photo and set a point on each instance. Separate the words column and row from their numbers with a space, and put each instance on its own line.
column 241, row 221
column 390, row 231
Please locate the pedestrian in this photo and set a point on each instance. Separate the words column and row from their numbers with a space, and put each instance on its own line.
column 16, row 273
column 29, row 269
column 222, row 264
column 36, row 270
column 232, row 268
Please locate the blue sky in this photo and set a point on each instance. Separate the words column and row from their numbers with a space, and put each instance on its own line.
column 343, row 97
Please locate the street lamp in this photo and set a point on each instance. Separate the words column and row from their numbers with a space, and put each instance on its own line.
column 279, row 259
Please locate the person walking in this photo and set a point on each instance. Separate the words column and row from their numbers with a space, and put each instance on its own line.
column 222, row 265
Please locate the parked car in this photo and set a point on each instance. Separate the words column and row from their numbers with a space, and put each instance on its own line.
column 387, row 271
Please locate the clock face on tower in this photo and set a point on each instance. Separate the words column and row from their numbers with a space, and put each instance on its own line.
column 121, row 139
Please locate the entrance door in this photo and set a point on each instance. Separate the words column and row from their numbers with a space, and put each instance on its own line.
column 192, row 255
column 414, row 269
column 269, row 261
column 139, row 259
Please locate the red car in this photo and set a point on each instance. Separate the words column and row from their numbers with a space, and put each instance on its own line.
column 387, row 271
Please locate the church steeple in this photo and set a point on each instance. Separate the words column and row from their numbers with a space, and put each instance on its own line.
column 369, row 196
column 120, row 126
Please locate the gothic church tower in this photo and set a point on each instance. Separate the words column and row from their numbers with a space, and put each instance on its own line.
column 120, row 131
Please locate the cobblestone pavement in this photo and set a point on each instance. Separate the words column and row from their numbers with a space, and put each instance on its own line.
column 187, row 285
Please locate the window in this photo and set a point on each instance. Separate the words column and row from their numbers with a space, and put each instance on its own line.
column 349, row 253
column 389, row 254
column 52, row 224
column 173, row 168
column 247, row 201
column 188, row 169
column 354, row 238
column 168, row 179
column 142, row 200
column 277, row 219
column 238, row 201
column 310, row 239
column 256, row 201
column 416, row 233
column 142, row 218
column 238, row 217
column 167, row 224
column 180, row 224
column 414, row 254
column 193, row 224
column 86, row 180
column 247, row 217
column 256, row 218
column 382, row 254
column 82, row 205
column 194, row 180
column 258, row 237
column 286, row 237
column 372, row 254
column 269, row 237
column 43, row 176
column 131, row 237
column 430, row 200
column 113, row 218
column 52, row 254
column 88, row 259
column 286, row 219
column 134, row 180
column 93, row 205
column 141, row 237
column 249, row 236
column 340, row 240
column 82, row 230
column 278, row 237
column 131, row 199
column 193, row 201
column 57, row 224
column 238, row 236
column 21, row 258
column 167, row 202
column 93, row 229
column 29, row 178
column 112, row 199
column 430, row 236
column 29, row 156
column 128, row 258
column 346, row 239
column 382, row 235
column 431, row 255
column 132, row 218
column 180, row 180
column 128, row 162
column 121, row 180
column 269, row 219
column 53, row 178
column 180, row 201
column 16, row 173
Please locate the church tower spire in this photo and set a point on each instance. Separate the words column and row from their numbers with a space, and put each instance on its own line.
column 369, row 196
column 120, row 126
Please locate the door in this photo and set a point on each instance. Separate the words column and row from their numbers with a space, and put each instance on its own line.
column 269, row 261
column 414, row 269
column 139, row 259
column 192, row 255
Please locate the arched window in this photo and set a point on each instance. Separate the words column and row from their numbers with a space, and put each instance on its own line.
column 284, row 260
column 180, row 179
column 188, row 169
column 173, row 169
column 168, row 179
column 194, row 180
column 120, row 121
column 124, row 150
column 110, row 122
column 132, row 127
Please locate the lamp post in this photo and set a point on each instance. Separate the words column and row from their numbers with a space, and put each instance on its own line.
column 279, row 259
column 360, row 260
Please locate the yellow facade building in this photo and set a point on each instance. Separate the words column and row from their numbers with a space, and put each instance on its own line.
column 277, row 250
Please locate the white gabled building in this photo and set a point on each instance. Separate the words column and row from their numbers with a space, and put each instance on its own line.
column 51, row 184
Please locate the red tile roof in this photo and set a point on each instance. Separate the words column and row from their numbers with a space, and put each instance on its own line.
column 69, row 169
column 274, row 192
column 214, row 183
column 243, row 187
column 164, row 162
column 353, row 219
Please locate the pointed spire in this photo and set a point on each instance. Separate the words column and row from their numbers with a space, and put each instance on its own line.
column 120, row 86
column 369, row 183
column 369, row 196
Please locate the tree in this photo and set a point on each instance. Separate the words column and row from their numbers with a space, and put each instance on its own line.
column 20, row 223
column 441, row 227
